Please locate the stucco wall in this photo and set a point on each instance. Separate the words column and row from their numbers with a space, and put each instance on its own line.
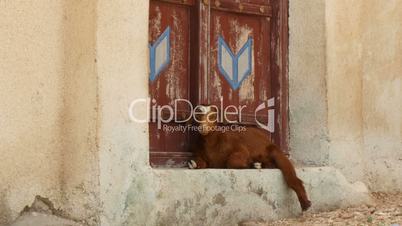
column 307, row 84
column 382, row 93
column 80, row 177
column 122, row 59
column 48, row 107
column 344, row 86
column 31, row 89
column 364, row 72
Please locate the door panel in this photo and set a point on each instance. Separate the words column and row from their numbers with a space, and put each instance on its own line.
column 169, row 149
column 236, row 29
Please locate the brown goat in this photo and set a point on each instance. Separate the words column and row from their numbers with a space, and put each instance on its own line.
column 242, row 150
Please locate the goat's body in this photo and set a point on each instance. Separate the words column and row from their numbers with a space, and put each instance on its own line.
column 240, row 150
column 217, row 149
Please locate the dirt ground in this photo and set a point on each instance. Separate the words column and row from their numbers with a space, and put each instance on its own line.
column 386, row 211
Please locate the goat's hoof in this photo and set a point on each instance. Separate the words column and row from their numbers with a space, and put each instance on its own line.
column 305, row 205
column 192, row 164
column 257, row 165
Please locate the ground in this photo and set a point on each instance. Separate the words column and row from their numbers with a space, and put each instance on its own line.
column 40, row 219
column 386, row 210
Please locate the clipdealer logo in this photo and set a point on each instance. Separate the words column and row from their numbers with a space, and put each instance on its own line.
column 164, row 114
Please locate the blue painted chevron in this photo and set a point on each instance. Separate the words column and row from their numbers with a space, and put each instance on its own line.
column 159, row 54
column 235, row 68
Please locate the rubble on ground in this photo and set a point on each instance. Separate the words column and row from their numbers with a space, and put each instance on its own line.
column 42, row 213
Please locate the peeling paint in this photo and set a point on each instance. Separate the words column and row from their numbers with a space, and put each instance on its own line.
column 246, row 91
column 242, row 33
column 216, row 80
column 173, row 89
column 156, row 28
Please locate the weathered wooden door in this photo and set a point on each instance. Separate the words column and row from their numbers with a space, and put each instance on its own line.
column 223, row 52
column 170, row 40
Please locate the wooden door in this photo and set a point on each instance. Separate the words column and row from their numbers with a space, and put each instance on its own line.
column 240, row 72
column 223, row 50
column 170, row 40
column 253, row 33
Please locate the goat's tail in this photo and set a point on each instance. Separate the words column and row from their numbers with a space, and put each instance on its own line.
column 289, row 173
